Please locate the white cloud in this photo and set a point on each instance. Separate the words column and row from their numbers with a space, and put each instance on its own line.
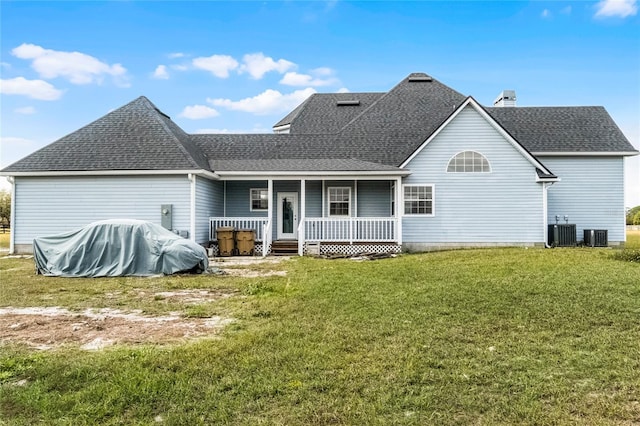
column 5, row 65
column 257, row 65
column 198, row 112
column 343, row 90
column 218, row 65
column 161, row 73
column 268, row 102
column 35, row 89
column 545, row 13
column 28, row 110
column 616, row 8
column 295, row 79
column 176, row 55
column 322, row 72
column 566, row 10
column 180, row 67
column 76, row 67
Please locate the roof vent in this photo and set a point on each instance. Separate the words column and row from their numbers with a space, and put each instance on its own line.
column 506, row 99
column 419, row 78
column 348, row 103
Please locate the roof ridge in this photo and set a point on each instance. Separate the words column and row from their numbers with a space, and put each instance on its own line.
column 393, row 89
column 167, row 129
column 93, row 122
column 293, row 114
column 384, row 94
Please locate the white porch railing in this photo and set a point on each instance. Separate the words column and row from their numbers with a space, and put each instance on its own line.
column 261, row 225
column 255, row 223
column 350, row 229
column 266, row 241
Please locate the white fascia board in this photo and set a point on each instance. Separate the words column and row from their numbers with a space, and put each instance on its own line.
column 310, row 175
column 586, row 154
column 203, row 173
column 472, row 102
column 435, row 133
column 331, row 175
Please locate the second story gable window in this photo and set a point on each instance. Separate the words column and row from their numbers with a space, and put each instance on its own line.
column 469, row 162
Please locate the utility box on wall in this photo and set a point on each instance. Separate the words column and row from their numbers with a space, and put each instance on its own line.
column 166, row 216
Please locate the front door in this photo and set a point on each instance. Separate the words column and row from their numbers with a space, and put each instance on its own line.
column 287, row 215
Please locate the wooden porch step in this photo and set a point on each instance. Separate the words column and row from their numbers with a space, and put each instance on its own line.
column 284, row 248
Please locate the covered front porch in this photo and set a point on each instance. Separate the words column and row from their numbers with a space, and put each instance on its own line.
column 314, row 215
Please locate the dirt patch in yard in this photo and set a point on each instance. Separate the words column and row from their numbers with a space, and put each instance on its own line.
column 93, row 329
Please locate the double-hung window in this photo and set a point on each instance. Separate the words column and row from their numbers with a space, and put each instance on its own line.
column 418, row 200
column 339, row 201
column 259, row 199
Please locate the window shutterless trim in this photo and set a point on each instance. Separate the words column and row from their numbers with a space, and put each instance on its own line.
column 330, row 202
column 251, row 199
column 405, row 200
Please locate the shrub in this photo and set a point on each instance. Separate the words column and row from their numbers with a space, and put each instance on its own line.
column 628, row 255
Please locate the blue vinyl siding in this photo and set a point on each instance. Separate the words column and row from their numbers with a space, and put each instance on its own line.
column 238, row 198
column 590, row 192
column 209, row 202
column 314, row 199
column 374, row 199
column 504, row 206
column 51, row 205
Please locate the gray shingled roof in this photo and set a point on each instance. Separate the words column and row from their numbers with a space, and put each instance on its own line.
column 385, row 129
column 325, row 113
column 137, row 136
column 300, row 165
column 399, row 122
column 562, row 129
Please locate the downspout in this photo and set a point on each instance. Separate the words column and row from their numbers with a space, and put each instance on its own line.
column 192, row 205
column 303, row 214
column 12, row 218
column 545, row 213
column 397, row 212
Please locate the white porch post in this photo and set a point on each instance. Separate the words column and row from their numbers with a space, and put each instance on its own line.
column 303, row 214
column 355, row 198
column 324, row 207
column 270, row 198
column 397, row 212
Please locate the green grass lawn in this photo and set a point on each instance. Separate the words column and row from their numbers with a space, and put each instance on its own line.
column 4, row 239
column 495, row 336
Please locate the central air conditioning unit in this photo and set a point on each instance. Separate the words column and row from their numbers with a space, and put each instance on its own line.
column 562, row 235
column 596, row 238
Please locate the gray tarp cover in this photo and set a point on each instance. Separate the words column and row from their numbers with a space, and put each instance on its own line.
column 115, row 248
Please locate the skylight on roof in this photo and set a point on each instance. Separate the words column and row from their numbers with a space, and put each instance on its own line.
column 354, row 102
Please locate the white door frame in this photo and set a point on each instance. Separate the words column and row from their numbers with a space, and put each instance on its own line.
column 280, row 235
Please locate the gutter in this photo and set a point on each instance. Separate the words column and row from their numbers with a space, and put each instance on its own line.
column 201, row 172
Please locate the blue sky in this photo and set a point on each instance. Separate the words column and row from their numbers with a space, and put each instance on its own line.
column 241, row 66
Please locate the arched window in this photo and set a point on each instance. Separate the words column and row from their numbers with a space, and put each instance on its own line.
column 469, row 162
